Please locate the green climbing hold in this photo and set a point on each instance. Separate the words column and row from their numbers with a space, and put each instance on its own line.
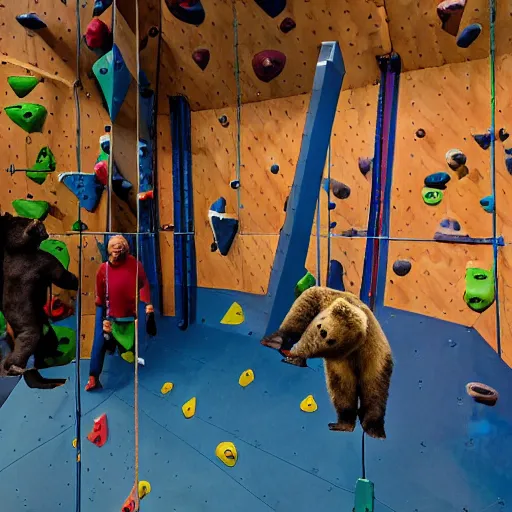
column 31, row 209
column 58, row 249
column 364, row 496
column 431, row 196
column 79, row 226
column 306, row 282
column 22, row 85
column 3, row 325
column 29, row 116
column 66, row 347
column 45, row 164
column 124, row 333
column 479, row 294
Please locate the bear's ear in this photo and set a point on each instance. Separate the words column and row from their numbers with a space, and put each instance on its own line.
column 353, row 316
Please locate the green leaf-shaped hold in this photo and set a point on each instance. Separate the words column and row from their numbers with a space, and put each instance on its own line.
column 45, row 163
column 31, row 209
column 22, row 85
column 29, row 116
column 66, row 348
column 58, row 249
column 306, row 282
column 78, row 225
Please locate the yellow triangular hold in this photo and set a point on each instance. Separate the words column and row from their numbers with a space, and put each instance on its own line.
column 166, row 388
column 189, row 408
column 246, row 378
column 227, row 453
column 234, row 315
column 144, row 488
column 308, row 404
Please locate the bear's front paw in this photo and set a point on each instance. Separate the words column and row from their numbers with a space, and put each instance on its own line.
column 15, row 370
column 374, row 429
column 342, row 427
column 296, row 361
column 273, row 341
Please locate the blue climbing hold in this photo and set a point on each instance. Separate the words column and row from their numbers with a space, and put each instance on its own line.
column 450, row 224
column 274, row 169
column 100, row 6
column 402, row 267
column 508, row 163
column 437, row 180
column 335, row 276
column 86, row 188
column 325, row 184
column 332, row 205
column 234, row 184
column 487, row 203
column 145, row 167
column 224, row 231
column 272, row 7
column 483, row 140
column 105, row 143
column 31, row 21
column 219, row 206
column 469, row 35
column 332, row 225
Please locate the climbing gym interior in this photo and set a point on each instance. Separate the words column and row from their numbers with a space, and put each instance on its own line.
column 245, row 152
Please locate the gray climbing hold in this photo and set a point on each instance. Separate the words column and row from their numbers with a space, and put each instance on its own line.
column 455, row 158
column 402, row 267
column 340, row 190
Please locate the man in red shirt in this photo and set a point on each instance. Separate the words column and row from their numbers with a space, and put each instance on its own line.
column 116, row 306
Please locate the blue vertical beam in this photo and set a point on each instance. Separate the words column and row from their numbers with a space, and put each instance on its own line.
column 295, row 236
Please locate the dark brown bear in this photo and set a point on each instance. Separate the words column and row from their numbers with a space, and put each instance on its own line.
column 342, row 330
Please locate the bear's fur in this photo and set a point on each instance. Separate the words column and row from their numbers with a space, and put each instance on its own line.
column 358, row 362
column 27, row 273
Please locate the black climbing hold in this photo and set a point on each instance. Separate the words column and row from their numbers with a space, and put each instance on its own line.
column 235, row 184
column 365, row 165
column 268, row 64
column 340, row 190
column 188, row 11
column 272, row 7
column 201, row 57
column 503, row 134
column 287, row 25
column 402, row 267
column 100, row 6
column 224, row 121
column 483, row 140
column 213, row 247
column 286, row 204
column 469, row 35
column 420, row 133
column 274, row 169
column 153, row 32
column 31, row 21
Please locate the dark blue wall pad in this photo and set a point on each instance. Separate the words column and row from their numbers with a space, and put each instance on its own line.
column 86, row 188
column 335, row 276
column 224, row 231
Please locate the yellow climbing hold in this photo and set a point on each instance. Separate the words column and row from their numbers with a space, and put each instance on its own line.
column 129, row 357
column 246, row 378
column 144, row 489
column 308, row 404
column 74, row 442
column 234, row 315
column 78, row 458
column 166, row 388
column 189, row 408
column 226, row 452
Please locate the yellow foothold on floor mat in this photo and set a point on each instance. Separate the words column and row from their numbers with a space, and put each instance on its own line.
column 129, row 357
column 74, row 443
column 226, row 452
column 246, row 378
column 234, row 315
column 144, row 489
column 189, row 408
column 308, row 404
column 166, row 388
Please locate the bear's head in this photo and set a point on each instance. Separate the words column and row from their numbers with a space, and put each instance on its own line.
column 334, row 333
column 18, row 234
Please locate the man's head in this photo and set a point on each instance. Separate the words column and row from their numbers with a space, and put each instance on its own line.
column 118, row 249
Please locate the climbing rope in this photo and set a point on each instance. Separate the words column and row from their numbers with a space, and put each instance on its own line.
column 238, row 107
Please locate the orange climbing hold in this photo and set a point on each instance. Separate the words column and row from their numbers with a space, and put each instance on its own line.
column 132, row 503
column 450, row 13
column 99, row 432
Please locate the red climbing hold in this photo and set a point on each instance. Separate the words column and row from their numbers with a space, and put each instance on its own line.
column 287, row 25
column 144, row 196
column 99, row 432
column 98, row 36
column 101, row 171
column 132, row 503
column 201, row 57
column 268, row 64
column 450, row 13
column 56, row 310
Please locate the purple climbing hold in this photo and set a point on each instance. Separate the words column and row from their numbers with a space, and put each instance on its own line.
column 272, row 7
column 31, row 21
column 340, row 190
column 201, row 57
column 469, row 35
column 483, row 140
column 402, row 267
column 274, row 169
column 287, row 25
column 188, row 11
column 268, row 64
column 365, row 165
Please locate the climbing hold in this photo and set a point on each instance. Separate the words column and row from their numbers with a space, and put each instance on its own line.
column 451, row 224
column 85, row 186
column 105, row 146
column 340, row 190
column 450, row 231
column 508, row 164
column 132, row 503
column 335, row 276
column 268, row 64
column 189, row 408
column 45, row 164
column 234, row 184
column 479, row 294
column 234, row 315
column 469, row 35
column 101, row 172
column 483, row 140
column 437, row 180
column 22, row 85
column 455, row 158
column 29, row 116
column 144, row 488
column 78, row 225
column 450, row 13
column 224, row 121
column 31, row 209
column 224, row 227
column 274, row 168
column 66, row 344
column 331, row 205
column 487, row 203
column 58, row 249
column 431, row 196
column 246, row 378
column 482, row 394
column 226, row 452
column 57, row 310
column 402, row 267
column 75, row 442
column 503, row 134
column 420, row 133
column 188, row 11
column 213, row 247
column 365, row 165
column 272, row 8
column 287, row 25
column 166, row 388
column 364, row 500
column 304, row 283
column 3, row 325
column 99, row 433
column 333, row 224
column 201, row 57
column 114, row 79
column 31, row 21
column 308, row 404
column 100, row 6
column 144, row 196
column 98, row 37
